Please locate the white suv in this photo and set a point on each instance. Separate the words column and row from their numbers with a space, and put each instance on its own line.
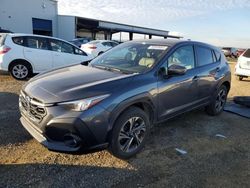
column 24, row 54
column 97, row 47
column 242, row 68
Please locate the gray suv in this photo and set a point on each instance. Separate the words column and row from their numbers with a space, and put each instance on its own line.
column 114, row 100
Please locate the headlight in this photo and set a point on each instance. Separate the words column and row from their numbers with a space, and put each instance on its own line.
column 84, row 104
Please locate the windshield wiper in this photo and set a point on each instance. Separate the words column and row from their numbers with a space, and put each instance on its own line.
column 112, row 69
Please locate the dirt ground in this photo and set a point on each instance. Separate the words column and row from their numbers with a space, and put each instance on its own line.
column 210, row 161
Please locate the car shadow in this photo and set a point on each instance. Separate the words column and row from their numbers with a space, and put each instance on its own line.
column 11, row 130
column 59, row 175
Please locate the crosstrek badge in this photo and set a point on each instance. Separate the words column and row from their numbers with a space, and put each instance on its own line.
column 158, row 47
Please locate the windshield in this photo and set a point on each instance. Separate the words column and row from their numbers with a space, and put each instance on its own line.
column 130, row 57
column 247, row 53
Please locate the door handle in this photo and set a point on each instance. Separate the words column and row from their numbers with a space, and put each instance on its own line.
column 217, row 69
column 195, row 78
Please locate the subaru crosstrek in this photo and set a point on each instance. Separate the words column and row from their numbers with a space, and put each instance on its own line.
column 114, row 100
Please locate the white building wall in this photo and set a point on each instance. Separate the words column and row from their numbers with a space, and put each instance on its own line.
column 16, row 15
column 66, row 27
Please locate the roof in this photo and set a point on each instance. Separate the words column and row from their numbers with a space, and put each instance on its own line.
column 168, row 42
column 172, row 42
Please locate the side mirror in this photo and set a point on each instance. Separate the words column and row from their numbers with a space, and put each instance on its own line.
column 176, row 70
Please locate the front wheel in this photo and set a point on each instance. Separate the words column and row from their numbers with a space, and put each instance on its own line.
column 240, row 78
column 20, row 71
column 218, row 102
column 129, row 133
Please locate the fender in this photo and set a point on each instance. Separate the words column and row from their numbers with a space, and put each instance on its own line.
column 145, row 98
column 225, row 78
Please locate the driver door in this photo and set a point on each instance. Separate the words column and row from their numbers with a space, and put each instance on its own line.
column 178, row 93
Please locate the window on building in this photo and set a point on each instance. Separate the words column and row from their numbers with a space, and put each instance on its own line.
column 42, row 26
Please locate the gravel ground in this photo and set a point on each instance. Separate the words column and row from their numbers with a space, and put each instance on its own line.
column 210, row 161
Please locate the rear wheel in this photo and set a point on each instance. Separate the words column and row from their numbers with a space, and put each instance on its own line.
column 129, row 133
column 218, row 102
column 20, row 70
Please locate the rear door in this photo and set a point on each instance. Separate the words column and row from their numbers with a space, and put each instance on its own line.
column 65, row 54
column 37, row 52
column 208, row 69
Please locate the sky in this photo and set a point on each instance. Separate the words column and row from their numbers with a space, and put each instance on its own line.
column 218, row 22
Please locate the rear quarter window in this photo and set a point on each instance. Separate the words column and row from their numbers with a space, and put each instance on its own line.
column 18, row 40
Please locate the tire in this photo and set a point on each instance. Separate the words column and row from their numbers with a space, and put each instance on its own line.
column 240, row 78
column 218, row 101
column 20, row 70
column 129, row 134
column 100, row 53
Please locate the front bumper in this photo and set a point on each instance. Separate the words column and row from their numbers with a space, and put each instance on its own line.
column 51, row 145
column 62, row 130
column 75, row 127
column 242, row 72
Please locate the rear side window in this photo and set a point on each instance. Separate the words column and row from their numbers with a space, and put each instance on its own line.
column 18, row 40
column 37, row 43
column 247, row 53
column 204, row 56
column 80, row 52
column 113, row 44
column 2, row 39
column 108, row 44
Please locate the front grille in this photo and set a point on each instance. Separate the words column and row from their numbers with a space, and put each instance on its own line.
column 32, row 108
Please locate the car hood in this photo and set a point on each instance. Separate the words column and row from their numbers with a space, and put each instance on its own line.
column 73, row 83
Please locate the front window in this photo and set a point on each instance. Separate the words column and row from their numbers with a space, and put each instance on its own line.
column 130, row 57
column 60, row 46
column 183, row 56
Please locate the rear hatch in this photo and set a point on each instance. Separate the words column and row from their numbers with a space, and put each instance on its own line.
column 244, row 60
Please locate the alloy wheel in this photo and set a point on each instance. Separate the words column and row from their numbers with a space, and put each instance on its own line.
column 20, row 71
column 220, row 100
column 132, row 134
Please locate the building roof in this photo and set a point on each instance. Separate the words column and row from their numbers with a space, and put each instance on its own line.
column 119, row 27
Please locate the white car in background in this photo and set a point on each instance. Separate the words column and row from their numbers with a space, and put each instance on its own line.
column 97, row 47
column 242, row 68
column 24, row 54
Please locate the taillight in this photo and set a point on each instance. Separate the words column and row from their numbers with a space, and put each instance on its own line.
column 4, row 50
column 92, row 47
